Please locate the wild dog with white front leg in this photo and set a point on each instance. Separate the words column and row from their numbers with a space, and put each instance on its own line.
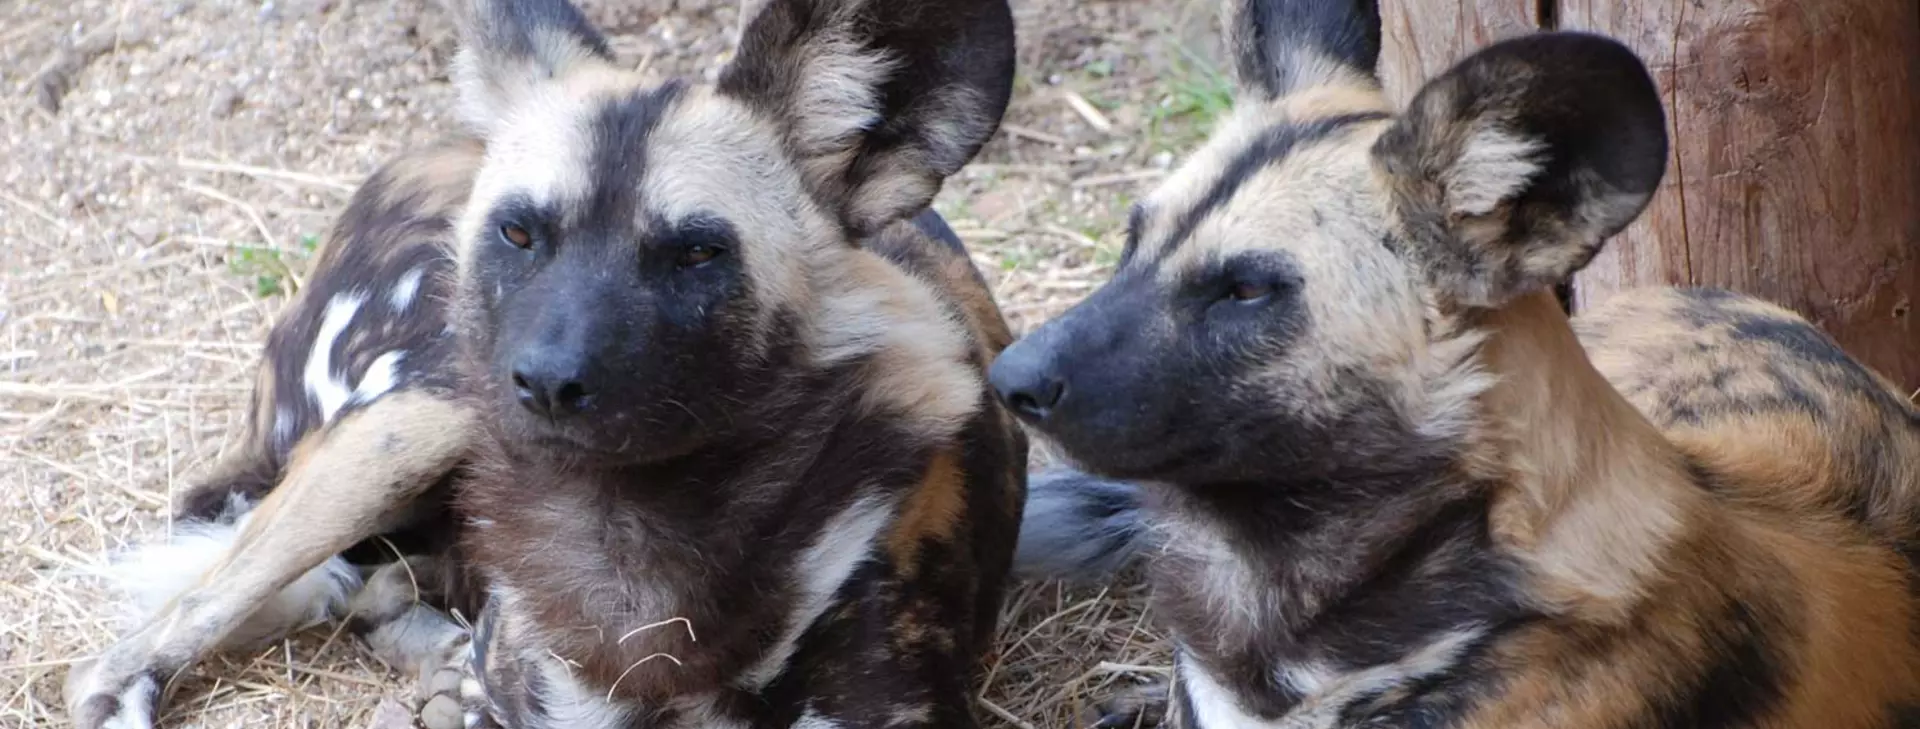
column 739, row 465
column 875, row 485
column 1389, row 485
column 354, row 433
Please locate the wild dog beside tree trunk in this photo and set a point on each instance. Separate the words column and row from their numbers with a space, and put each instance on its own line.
column 1390, row 484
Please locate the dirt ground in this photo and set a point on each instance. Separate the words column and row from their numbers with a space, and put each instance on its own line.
column 168, row 165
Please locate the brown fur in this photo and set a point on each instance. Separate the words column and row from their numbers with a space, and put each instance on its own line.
column 750, row 486
column 1640, row 560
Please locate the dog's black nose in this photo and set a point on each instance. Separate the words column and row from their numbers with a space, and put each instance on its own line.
column 550, row 382
column 1027, row 383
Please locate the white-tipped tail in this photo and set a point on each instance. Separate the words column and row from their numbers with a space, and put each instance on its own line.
column 151, row 574
column 1079, row 527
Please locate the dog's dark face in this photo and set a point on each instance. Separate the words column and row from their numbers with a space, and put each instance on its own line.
column 1286, row 302
column 1253, row 312
column 642, row 266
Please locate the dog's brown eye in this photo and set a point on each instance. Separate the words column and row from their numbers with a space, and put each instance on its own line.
column 1248, row 292
column 695, row 255
column 517, row 236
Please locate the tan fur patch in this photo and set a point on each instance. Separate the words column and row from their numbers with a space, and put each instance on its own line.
column 931, row 512
column 714, row 156
column 1355, row 95
column 921, row 365
column 1591, row 503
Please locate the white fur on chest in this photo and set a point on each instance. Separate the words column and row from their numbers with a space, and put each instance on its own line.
column 1327, row 692
column 843, row 543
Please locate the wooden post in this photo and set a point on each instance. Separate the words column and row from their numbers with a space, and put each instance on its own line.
column 1795, row 172
column 1420, row 38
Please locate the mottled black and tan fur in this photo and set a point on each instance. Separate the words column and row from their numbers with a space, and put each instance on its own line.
column 354, row 432
column 1385, row 482
column 684, row 405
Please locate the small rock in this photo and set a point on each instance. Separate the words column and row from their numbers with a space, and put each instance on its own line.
column 144, row 230
column 442, row 712
column 1163, row 159
column 390, row 714
column 225, row 100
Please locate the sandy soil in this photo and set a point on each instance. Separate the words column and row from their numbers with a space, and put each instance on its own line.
column 167, row 165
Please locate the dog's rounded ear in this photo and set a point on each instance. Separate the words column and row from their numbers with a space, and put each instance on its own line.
column 508, row 48
column 879, row 101
column 1511, row 170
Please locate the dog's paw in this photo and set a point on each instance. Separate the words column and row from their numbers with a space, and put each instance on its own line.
column 452, row 699
column 106, row 694
column 443, row 708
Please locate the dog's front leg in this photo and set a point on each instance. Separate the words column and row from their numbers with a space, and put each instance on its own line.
column 338, row 487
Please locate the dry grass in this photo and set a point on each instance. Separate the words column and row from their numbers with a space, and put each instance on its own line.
column 150, row 226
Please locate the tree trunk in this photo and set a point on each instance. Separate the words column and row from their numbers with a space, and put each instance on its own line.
column 1795, row 172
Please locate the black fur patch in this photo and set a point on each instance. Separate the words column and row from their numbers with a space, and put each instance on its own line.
column 1745, row 681
column 1136, row 220
column 1809, row 364
column 935, row 228
column 1903, row 716
column 1270, row 147
column 618, row 155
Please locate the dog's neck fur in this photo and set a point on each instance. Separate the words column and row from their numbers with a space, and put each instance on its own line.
column 1563, row 501
column 1279, row 589
column 1591, row 495
column 590, row 554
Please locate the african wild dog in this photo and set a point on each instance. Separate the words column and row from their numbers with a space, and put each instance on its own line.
column 353, row 433
column 679, row 388
column 1388, row 484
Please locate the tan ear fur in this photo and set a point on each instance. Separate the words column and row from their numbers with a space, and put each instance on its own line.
column 878, row 100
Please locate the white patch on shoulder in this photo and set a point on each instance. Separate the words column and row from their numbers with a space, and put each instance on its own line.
column 404, row 290
column 844, row 543
column 329, row 392
column 151, row 575
column 380, row 377
column 811, row 719
column 1229, row 584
